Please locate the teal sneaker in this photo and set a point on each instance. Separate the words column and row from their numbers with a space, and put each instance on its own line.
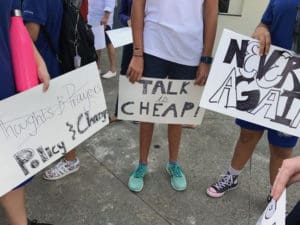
column 136, row 178
column 178, row 180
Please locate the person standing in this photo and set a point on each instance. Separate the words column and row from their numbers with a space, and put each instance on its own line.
column 101, row 12
column 13, row 202
column 125, row 19
column 171, row 39
column 43, row 20
column 276, row 27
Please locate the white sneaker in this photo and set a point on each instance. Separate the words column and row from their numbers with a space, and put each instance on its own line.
column 109, row 74
column 62, row 169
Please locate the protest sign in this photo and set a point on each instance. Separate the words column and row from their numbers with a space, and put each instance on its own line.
column 274, row 214
column 120, row 37
column 38, row 128
column 160, row 101
column 260, row 89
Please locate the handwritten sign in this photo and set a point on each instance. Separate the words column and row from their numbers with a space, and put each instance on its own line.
column 274, row 214
column 120, row 37
column 38, row 128
column 160, row 101
column 244, row 85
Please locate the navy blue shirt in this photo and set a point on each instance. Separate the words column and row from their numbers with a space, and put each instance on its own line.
column 125, row 12
column 280, row 16
column 7, row 86
column 48, row 14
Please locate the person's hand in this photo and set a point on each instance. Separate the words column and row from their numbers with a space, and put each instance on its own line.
column 44, row 76
column 202, row 74
column 288, row 173
column 129, row 22
column 135, row 68
column 104, row 20
column 262, row 34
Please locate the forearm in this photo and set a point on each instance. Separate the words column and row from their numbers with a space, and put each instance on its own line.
column 210, row 17
column 38, row 58
column 137, row 23
column 33, row 30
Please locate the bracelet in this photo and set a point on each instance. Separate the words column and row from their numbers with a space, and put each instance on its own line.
column 206, row 59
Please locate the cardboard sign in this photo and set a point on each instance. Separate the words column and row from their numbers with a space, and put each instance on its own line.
column 38, row 128
column 160, row 101
column 274, row 214
column 264, row 90
column 120, row 37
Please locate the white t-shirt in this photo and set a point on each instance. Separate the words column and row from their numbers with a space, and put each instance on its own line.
column 173, row 30
column 96, row 11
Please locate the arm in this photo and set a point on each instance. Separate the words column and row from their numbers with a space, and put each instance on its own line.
column 42, row 69
column 289, row 173
column 108, row 9
column 136, row 66
column 262, row 34
column 210, row 18
column 34, row 30
column 124, row 13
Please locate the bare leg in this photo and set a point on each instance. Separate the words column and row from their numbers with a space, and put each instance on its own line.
column 277, row 155
column 245, row 147
column 146, row 131
column 174, row 137
column 112, row 57
column 99, row 56
column 71, row 155
column 14, row 207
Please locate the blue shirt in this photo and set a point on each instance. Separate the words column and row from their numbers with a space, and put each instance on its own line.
column 48, row 14
column 125, row 12
column 7, row 86
column 280, row 16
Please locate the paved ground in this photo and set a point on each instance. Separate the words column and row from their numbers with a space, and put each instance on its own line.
column 97, row 194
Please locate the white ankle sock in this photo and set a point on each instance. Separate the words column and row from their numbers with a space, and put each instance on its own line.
column 233, row 171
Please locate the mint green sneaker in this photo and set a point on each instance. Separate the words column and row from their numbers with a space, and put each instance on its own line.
column 178, row 180
column 136, row 178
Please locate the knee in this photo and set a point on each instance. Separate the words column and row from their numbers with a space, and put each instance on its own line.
column 247, row 137
column 281, row 153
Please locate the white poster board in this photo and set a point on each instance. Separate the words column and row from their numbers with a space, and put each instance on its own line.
column 99, row 37
column 274, row 214
column 160, row 101
column 38, row 128
column 120, row 37
column 264, row 90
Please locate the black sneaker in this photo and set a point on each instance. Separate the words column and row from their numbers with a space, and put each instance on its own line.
column 226, row 183
column 35, row 222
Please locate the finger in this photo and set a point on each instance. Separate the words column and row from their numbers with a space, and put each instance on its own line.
column 262, row 46
column 46, row 84
column 280, row 183
column 268, row 44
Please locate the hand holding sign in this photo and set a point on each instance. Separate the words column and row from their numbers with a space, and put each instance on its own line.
column 288, row 173
column 274, row 214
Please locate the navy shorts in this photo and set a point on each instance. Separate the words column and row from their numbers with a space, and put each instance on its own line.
column 275, row 138
column 107, row 40
column 155, row 67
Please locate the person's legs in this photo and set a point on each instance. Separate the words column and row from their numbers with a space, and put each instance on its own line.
column 277, row 155
column 250, row 134
column 174, row 137
column 98, row 61
column 112, row 57
column 13, row 204
column 244, row 147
